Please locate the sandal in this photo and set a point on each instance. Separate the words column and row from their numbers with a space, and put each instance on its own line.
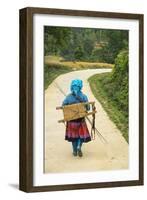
column 75, row 153
column 80, row 154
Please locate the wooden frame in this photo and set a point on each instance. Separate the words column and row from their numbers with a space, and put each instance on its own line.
column 26, row 99
column 75, row 111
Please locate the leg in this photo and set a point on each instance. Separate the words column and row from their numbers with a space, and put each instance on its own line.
column 74, row 146
column 79, row 145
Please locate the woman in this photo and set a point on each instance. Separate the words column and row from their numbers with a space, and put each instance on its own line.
column 76, row 130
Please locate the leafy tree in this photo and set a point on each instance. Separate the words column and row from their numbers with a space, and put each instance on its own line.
column 84, row 43
column 79, row 53
column 116, row 85
column 120, row 80
column 55, row 38
column 116, row 41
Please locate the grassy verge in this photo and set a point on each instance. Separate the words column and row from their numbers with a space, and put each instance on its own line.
column 99, row 84
column 52, row 72
column 75, row 65
column 55, row 66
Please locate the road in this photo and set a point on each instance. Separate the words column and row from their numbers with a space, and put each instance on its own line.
column 96, row 155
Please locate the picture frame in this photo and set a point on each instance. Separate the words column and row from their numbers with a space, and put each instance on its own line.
column 27, row 113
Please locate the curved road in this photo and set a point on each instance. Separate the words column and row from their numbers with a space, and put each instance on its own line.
column 96, row 155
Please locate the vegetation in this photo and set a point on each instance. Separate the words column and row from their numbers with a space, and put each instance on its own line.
column 84, row 44
column 111, row 89
column 54, row 66
column 67, row 49
column 52, row 72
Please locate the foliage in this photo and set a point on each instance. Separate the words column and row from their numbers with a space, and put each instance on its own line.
column 111, row 89
column 53, row 71
column 74, row 65
column 84, row 44
column 120, row 81
column 54, row 66
column 67, row 49
column 79, row 53
column 116, row 41
column 54, row 39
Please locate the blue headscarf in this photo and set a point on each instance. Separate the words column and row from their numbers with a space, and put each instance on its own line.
column 76, row 86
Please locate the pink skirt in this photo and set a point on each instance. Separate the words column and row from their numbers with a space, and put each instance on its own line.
column 76, row 130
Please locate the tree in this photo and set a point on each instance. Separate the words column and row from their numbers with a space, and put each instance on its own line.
column 116, row 41
column 79, row 53
column 120, row 80
column 55, row 38
column 86, row 44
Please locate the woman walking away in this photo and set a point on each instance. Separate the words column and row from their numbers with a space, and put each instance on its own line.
column 76, row 130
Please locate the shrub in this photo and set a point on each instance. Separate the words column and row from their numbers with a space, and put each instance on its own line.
column 111, row 89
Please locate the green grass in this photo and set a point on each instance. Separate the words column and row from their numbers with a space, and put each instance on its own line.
column 75, row 65
column 55, row 66
column 52, row 72
column 99, row 84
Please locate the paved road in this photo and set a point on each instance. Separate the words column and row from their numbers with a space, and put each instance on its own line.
column 96, row 155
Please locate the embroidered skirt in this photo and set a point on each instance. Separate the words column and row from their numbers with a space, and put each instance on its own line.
column 77, row 129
